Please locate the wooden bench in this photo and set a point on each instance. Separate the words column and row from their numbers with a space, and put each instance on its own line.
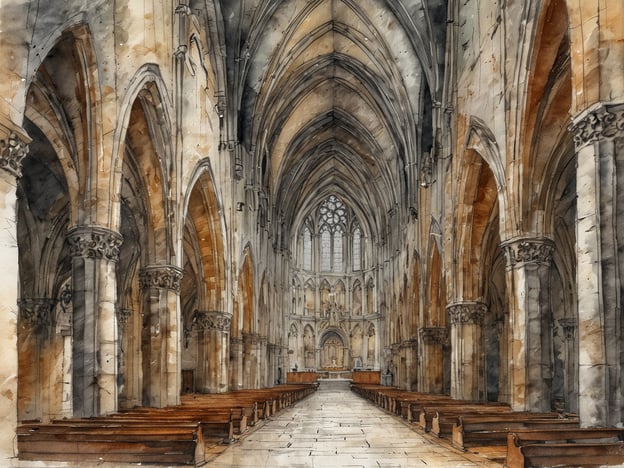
column 471, row 431
column 216, row 424
column 558, row 447
column 397, row 401
column 181, row 444
column 439, row 418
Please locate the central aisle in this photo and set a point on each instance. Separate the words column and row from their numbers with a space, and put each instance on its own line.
column 336, row 428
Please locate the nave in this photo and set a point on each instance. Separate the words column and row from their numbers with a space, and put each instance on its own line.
column 334, row 427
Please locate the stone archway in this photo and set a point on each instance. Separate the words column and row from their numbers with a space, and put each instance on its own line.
column 333, row 352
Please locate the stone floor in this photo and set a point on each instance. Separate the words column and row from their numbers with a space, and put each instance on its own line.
column 336, row 428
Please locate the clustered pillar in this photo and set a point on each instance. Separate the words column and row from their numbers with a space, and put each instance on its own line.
column 599, row 141
column 528, row 266
column 213, row 339
column 432, row 341
column 467, row 364
column 94, row 251
column 13, row 148
column 161, row 335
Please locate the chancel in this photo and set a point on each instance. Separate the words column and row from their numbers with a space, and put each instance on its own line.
column 223, row 203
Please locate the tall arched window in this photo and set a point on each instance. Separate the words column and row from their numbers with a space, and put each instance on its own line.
column 332, row 222
column 307, row 249
column 356, row 254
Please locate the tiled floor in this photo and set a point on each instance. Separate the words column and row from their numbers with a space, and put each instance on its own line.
column 336, row 428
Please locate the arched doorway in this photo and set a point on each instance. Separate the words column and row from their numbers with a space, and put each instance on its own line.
column 333, row 352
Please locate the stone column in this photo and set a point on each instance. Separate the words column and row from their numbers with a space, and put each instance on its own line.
column 598, row 138
column 275, row 376
column 94, row 251
column 528, row 279
column 124, row 364
column 161, row 295
column 432, row 340
column 411, row 348
column 569, row 327
column 250, row 360
column 13, row 148
column 213, row 342
column 263, row 364
column 467, row 361
column 36, row 323
column 236, row 363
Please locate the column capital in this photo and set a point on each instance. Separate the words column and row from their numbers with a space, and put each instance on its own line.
column 433, row 335
column 528, row 250
column 600, row 121
column 569, row 326
column 37, row 312
column 13, row 148
column 251, row 338
column 161, row 277
column 123, row 315
column 467, row 312
column 94, row 242
column 212, row 320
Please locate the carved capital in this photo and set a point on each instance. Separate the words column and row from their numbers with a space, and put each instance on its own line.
column 528, row 251
column 123, row 315
column 13, row 149
column 433, row 335
column 37, row 312
column 161, row 277
column 603, row 122
column 213, row 320
column 568, row 325
column 467, row 313
column 94, row 242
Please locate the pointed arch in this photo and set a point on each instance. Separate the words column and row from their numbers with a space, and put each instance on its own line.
column 246, row 292
column 203, row 233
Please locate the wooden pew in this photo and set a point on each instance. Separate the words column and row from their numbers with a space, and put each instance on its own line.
column 172, row 435
column 403, row 403
column 215, row 423
column 471, row 431
column 558, row 447
column 439, row 418
column 180, row 444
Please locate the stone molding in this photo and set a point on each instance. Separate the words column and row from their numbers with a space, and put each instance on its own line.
column 524, row 250
column 213, row 320
column 602, row 122
column 433, row 335
column 13, row 150
column 161, row 277
column 251, row 338
column 37, row 312
column 94, row 242
column 235, row 341
column 467, row 313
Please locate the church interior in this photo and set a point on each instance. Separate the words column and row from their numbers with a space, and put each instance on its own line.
column 211, row 196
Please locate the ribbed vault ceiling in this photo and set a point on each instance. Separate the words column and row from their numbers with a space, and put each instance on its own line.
column 330, row 97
